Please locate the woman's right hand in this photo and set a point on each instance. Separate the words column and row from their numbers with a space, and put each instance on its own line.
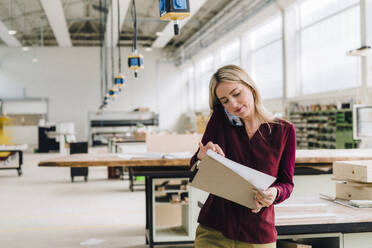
column 203, row 149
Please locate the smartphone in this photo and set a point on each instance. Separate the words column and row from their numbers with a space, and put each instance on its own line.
column 233, row 119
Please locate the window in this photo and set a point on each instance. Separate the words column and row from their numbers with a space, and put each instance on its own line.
column 230, row 54
column 328, row 29
column 189, row 74
column 267, row 59
column 204, row 71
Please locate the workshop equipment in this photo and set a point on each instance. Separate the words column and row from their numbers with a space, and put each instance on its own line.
column 79, row 147
column 113, row 93
column 136, row 60
column 119, row 80
column 174, row 10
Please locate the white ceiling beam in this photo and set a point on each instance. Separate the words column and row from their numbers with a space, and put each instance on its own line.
column 168, row 32
column 10, row 40
column 124, row 5
column 56, row 17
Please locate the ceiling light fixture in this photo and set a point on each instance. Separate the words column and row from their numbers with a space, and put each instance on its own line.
column 11, row 31
column 148, row 49
column 25, row 48
column 159, row 33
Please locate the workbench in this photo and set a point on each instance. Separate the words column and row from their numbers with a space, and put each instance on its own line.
column 317, row 218
column 14, row 149
column 340, row 223
column 135, row 166
column 147, row 167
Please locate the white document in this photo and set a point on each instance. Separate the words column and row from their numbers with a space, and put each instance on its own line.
column 230, row 180
column 257, row 178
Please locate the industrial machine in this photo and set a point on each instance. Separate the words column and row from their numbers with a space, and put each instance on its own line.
column 119, row 124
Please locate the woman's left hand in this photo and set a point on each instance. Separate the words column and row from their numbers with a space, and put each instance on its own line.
column 262, row 201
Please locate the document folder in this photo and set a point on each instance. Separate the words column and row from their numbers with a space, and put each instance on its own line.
column 230, row 180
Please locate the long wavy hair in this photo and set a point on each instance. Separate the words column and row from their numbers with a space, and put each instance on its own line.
column 233, row 73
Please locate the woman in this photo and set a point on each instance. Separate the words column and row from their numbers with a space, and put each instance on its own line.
column 242, row 130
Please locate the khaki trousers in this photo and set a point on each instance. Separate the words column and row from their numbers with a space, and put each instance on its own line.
column 209, row 238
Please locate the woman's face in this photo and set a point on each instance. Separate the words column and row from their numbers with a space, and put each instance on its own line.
column 236, row 98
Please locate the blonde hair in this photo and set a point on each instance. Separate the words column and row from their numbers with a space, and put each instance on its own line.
column 233, row 73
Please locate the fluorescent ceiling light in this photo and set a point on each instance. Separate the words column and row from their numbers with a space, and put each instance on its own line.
column 159, row 33
column 35, row 60
column 25, row 48
column 12, row 32
column 148, row 49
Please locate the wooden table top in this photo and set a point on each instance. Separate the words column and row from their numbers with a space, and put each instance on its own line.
column 331, row 155
column 308, row 211
column 324, row 156
column 84, row 160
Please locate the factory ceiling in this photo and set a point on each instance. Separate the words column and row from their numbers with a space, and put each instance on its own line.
column 79, row 22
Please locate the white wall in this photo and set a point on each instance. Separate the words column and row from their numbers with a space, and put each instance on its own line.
column 70, row 79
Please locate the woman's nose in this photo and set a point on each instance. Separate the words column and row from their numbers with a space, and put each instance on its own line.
column 233, row 103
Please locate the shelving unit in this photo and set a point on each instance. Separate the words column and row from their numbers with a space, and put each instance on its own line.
column 171, row 213
column 329, row 129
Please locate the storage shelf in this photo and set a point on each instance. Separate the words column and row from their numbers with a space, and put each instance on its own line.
column 327, row 129
column 171, row 220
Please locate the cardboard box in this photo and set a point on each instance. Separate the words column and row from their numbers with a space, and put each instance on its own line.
column 358, row 170
column 168, row 143
column 168, row 215
column 352, row 192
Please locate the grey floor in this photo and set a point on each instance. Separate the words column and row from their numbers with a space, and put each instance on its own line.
column 42, row 208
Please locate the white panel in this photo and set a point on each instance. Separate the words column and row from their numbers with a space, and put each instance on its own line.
column 23, row 134
column 56, row 17
column 324, row 184
column 168, row 32
column 10, row 40
column 25, row 107
column 72, row 84
column 360, row 240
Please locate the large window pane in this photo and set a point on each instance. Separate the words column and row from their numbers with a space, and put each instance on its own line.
column 267, row 33
column 204, row 73
column 314, row 10
column 268, row 70
column 324, row 63
column 230, row 53
column 267, row 59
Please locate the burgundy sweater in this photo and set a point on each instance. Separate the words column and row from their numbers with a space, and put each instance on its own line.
column 271, row 153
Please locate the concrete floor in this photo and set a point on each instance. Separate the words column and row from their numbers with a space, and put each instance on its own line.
column 42, row 208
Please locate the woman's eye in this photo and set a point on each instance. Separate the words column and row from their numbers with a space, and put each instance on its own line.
column 225, row 102
column 237, row 94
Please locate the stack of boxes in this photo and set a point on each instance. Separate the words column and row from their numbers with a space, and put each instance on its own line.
column 355, row 181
